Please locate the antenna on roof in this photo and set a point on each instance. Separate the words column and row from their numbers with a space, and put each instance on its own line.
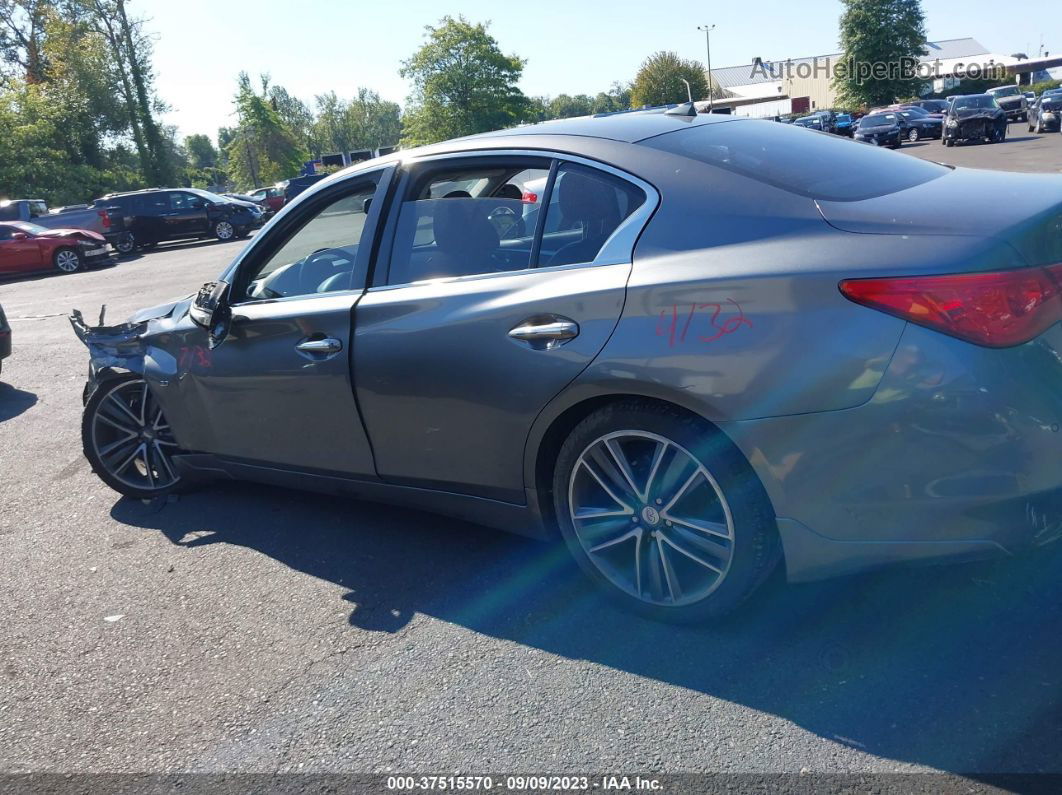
column 685, row 109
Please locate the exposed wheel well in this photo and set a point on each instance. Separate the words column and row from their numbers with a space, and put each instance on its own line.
column 559, row 430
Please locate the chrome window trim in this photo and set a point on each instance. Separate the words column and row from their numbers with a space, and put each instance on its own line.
column 617, row 250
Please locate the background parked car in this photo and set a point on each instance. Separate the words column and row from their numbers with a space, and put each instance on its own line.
column 1011, row 101
column 296, row 185
column 1045, row 114
column 271, row 198
column 811, row 122
column 882, row 129
column 932, row 105
column 845, row 125
column 159, row 214
column 5, row 338
column 28, row 248
column 974, row 117
column 921, row 124
column 95, row 219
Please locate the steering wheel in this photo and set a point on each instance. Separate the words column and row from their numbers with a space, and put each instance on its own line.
column 317, row 267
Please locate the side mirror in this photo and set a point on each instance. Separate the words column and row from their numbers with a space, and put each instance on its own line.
column 210, row 310
column 19, row 236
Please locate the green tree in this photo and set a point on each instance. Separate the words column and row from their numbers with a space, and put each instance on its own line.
column 201, row 151
column 263, row 150
column 882, row 41
column 618, row 97
column 293, row 112
column 565, row 107
column 659, row 80
column 365, row 122
column 462, row 84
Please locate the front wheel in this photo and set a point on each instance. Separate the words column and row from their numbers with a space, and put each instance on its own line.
column 224, row 231
column 128, row 441
column 912, row 136
column 67, row 260
column 663, row 512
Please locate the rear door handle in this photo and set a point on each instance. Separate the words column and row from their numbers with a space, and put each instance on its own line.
column 545, row 333
column 318, row 347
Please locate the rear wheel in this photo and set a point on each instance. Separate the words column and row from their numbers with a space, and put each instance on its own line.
column 67, row 260
column 663, row 512
column 126, row 244
column 128, row 441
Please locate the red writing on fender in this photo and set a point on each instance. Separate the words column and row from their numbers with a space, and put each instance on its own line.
column 709, row 322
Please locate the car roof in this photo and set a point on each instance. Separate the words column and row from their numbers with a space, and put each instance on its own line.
column 628, row 127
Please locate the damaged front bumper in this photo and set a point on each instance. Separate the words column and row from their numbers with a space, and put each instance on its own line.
column 112, row 348
column 121, row 348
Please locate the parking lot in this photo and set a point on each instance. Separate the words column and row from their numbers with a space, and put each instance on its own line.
column 1021, row 151
column 246, row 628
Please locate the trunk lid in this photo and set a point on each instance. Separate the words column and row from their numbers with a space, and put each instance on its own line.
column 1025, row 210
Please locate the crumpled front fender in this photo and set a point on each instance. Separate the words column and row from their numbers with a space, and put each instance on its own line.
column 122, row 348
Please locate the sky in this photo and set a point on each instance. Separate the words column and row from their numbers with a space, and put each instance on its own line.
column 573, row 47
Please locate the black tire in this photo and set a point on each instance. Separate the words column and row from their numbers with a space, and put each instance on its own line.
column 68, row 260
column 755, row 547
column 913, row 135
column 92, row 444
column 224, row 231
column 126, row 244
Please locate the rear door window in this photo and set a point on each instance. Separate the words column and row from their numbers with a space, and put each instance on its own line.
column 468, row 220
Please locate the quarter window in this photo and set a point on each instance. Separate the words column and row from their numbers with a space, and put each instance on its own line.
column 322, row 256
column 586, row 206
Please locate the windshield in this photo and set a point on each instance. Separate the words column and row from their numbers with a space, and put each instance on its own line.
column 33, row 229
column 975, row 101
column 795, row 160
column 878, row 119
column 1006, row 91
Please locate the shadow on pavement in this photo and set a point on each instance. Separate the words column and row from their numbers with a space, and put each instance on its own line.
column 14, row 401
column 956, row 668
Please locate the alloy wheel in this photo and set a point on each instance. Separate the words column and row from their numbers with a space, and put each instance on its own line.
column 67, row 261
column 132, row 439
column 912, row 136
column 224, row 230
column 651, row 518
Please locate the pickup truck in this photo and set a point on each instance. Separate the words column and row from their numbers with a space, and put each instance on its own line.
column 103, row 221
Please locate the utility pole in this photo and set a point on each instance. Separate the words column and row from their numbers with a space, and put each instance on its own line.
column 708, row 47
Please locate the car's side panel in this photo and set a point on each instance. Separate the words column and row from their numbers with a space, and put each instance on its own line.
column 20, row 256
column 447, row 395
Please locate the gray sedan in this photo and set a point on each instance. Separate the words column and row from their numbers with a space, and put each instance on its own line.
column 691, row 348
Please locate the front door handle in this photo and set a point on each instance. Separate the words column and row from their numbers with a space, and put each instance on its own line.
column 545, row 333
column 325, row 346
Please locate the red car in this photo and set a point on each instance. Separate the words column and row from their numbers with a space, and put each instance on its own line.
column 270, row 198
column 26, row 248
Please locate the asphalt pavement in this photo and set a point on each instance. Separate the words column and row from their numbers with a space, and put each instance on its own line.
column 246, row 628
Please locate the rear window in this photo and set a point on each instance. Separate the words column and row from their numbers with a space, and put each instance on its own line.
column 809, row 163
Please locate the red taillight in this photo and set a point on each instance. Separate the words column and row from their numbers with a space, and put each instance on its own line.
column 106, row 219
column 997, row 309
